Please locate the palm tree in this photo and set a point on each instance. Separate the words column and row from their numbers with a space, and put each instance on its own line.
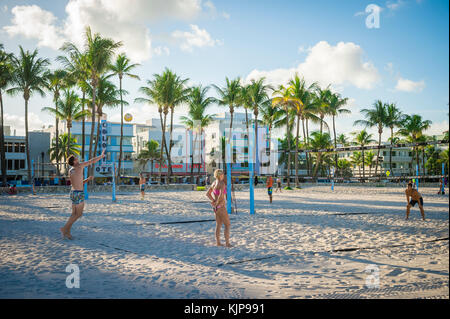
column 121, row 68
column 370, row 161
column 196, row 120
column 394, row 118
column 342, row 139
column 99, row 53
column 302, row 93
column 151, row 153
column 229, row 96
column 412, row 128
column 375, row 117
column 6, row 71
column 152, row 94
column 320, row 140
column 362, row 139
column 286, row 101
column 336, row 108
column 245, row 101
column 107, row 95
column 356, row 159
column 322, row 105
column 77, row 68
column 69, row 110
column 28, row 78
column 65, row 148
column 257, row 93
column 56, row 81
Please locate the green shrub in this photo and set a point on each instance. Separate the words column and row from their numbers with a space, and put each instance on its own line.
column 201, row 188
column 288, row 188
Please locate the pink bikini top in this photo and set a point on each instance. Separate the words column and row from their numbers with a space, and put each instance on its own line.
column 217, row 191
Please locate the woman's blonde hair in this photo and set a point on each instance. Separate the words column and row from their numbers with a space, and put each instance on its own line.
column 217, row 173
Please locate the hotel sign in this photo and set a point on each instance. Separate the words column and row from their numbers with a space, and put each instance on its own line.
column 103, row 167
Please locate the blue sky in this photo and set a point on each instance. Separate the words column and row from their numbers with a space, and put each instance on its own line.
column 405, row 60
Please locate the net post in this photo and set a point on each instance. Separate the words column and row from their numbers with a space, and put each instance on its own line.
column 113, row 157
column 86, row 194
column 228, row 163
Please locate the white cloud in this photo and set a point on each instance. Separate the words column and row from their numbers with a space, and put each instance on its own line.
column 406, row 85
column 394, row 5
column 437, row 128
column 196, row 38
column 390, row 68
column 161, row 50
column 5, row 8
column 340, row 65
column 17, row 123
column 120, row 20
column 35, row 23
column 226, row 15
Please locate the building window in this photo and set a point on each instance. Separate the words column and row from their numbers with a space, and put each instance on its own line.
column 22, row 147
column 17, row 148
column 9, row 147
column 22, row 164
column 16, row 164
column 10, row 165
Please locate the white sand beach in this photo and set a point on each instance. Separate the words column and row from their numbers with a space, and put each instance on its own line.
column 292, row 248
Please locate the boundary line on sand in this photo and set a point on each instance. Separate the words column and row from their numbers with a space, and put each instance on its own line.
column 332, row 251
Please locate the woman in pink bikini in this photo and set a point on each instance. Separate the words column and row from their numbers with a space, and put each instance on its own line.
column 218, row 202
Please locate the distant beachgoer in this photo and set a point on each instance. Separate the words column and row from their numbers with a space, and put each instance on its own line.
column 278, row 185
column 416, row 198
column 441, row 187
column 218, row 202
column 12, row 190
column 256, row 180
column 142, row 185
column 269, row 185
column 76, row 192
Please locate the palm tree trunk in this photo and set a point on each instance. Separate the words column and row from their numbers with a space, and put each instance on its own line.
column 289, row 149
column 304, row 141
column 319, row 159
column 27, row 142
column 255, row 148
column 335, row 143
column 69, row 125
column 121, row 131
column 390, row 151
column 94, row 91
column 192, row 162
column 363, row 165
column 99, row 117
column 162, row 147
column 169, row 169
column 2, row 143
column 308, row 155
column 378, row 152
column 83, row 127
column 58, row 168
column 296, row 151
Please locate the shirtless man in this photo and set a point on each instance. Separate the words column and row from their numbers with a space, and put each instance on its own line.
column 77, row 192
column 218, row 202
column 142, row 184
column 416, row 198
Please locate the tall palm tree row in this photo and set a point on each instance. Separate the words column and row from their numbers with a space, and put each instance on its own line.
column 362, row 139
column 229, row 96
column 122, row 67
column 375, row 117
column 6, row 70
column 197, row 120
column 28, row 77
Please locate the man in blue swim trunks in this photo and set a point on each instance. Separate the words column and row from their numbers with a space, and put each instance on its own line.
column 142, row 185
column 77, row 193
